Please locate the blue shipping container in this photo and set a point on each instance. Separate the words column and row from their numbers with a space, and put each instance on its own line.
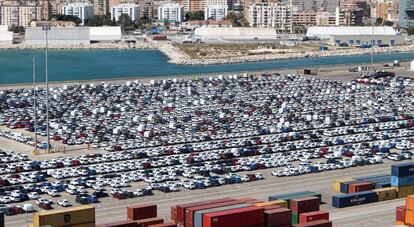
column 354, row 199
column 402, row 181
column 373, row 177
column 402, row 170
column 384, row 184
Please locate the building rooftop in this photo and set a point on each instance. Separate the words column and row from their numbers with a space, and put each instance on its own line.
column 327, row 31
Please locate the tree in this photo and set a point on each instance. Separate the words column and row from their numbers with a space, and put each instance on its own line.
column 197, row 15
column 63, row 17
column 99, row 20
column 410, row 31
column 125, row 22
column 17, row 29
column 379, row 21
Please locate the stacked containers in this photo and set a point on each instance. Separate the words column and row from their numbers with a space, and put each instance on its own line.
column 313, row 216
column 354, row 199
column 141, row 211
column 169, row 224
column 281, row 203
column 360, row 187
column 303, row 205
column 400, row 215
column 182, row 207
column 402, row 174
column 281, row 217
column 148, row 221
column 405, row 191
column 295, row 195
column 319, row 223
column 246, row 216
column 189, row 212
column 198, row 220
column 409, row 211
column 337, row 184
column 127, row 223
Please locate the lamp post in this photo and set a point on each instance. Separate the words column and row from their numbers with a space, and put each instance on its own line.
column 46, row 28
column 35, row 106
column 372, row 6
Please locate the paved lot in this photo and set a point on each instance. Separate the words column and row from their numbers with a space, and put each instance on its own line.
column 110, row 209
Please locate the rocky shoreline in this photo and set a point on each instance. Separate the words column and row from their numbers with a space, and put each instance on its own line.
column 138, row 46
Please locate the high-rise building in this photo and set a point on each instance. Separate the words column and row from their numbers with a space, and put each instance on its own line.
column 132, row 10
column 171, row 12
column 215, row 12
column 20, row 13
column 82, row 10
column 406, row 13
column 101, row 7
column 274, row 15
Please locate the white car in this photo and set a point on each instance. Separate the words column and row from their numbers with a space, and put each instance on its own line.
column 64, row 203
column 53, row 193
column 33, row 195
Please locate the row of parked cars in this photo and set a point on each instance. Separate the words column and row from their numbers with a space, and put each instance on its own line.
column 176, row 134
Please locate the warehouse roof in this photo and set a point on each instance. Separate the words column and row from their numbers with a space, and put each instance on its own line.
column 335, row 31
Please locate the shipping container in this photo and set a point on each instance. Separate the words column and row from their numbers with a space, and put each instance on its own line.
column 374, row 177
column 149, row 221
column 168, row 224
column 80, row 215
column 295, row 218
column 271, row 207
column 402, row 181
column 189, row 212
column 295, row 195
column 354, row 199
column 278, row 217
column 360, row 187
column 174, row 214
column 242, row 217
column 181, row 208
column 141, row 211
column 405, row 191
column 281, row 203
column 303, row 205
column 403, row 169
column 313, row 216
column 126, row 223
column 337, row 183
column 384, row 194
column 384, row 184
column 400, row 213
column 409, row 217
column 409, row 202
column 345, row 185
column 198, row 215
column 319, row 223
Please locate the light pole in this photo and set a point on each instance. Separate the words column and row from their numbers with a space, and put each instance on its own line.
column 35, row 106
column 46, row 28
column 372, row 5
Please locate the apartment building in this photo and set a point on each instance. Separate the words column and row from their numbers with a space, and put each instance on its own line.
column 132, row 10
column 82, row 10
column 215, row 12
column 274, row 15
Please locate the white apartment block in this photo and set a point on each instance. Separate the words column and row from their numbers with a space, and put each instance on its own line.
column 215, row 12
column 171, row 12
column 215, row 2
column 82, row 10
column 275, row 15
column 131, row 9
column 19, row 15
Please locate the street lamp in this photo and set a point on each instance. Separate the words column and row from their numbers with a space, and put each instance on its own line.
column 35, row 106
column 372, row 6
column 46, row 28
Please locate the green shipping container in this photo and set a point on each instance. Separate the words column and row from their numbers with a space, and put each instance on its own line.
column 295, row 218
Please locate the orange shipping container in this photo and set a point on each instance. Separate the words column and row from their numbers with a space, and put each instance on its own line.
column 409, row 217
column 410, row 202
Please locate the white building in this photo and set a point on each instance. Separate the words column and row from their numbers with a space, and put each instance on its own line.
column 6, row 37
column 17, row 15
column 131, row 9
column 275, row 15
column 171, row 12
column 215, row 12
column 82, row 10
column 235, row 34
column 356, row 36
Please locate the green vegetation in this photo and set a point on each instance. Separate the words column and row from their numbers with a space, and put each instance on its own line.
column 62, row 17
column 100, row 20
column 197, row 15
column 237, row 20
column 126, row 23
column 410, row 31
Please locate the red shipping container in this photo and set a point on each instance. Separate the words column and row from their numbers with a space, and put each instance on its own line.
column 360, row 187
column 168, row 224
column 181, row 208
column 278, row 217
column 149, row 221
column 189, row 212
column 304, row 205
column 141, row 211
column 319, row 223
column 254, row 201
column 174, row 214
column 247, row 216
column 126, row 223
column 400, row 213
column 313, row 216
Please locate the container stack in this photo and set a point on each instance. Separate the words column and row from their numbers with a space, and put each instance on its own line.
column 402, row 178
column 404, row 215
